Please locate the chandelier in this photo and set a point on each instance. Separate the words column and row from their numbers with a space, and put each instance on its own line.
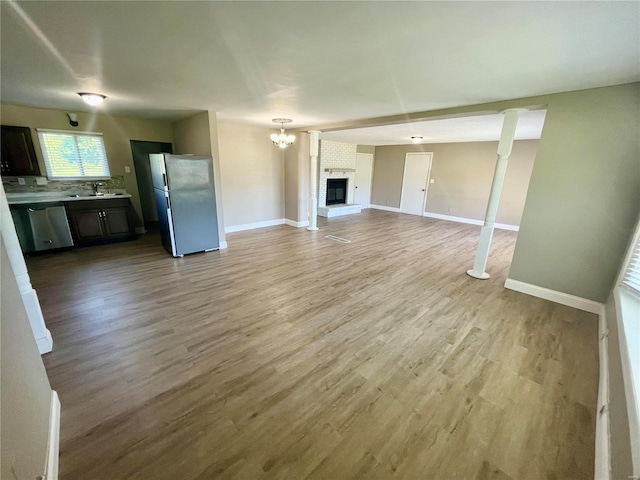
column 281, row 139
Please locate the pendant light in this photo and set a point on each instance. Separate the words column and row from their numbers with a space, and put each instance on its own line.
column 281, row 139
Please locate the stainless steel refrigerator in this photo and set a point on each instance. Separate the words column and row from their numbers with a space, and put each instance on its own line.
column 185, row 195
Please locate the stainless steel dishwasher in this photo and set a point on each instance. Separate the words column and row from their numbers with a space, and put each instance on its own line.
column 42, row 226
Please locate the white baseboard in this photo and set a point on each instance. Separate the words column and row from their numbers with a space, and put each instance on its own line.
column 251, row 226
column 602, row 465
column 554, row 296
column 45, row 344
column 471, row 221
column 384, row 207
column 223, row 245
column 292, row 223
column 36, row 320
column 53, row 447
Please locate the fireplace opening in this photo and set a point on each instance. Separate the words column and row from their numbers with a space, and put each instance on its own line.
column 336, row 191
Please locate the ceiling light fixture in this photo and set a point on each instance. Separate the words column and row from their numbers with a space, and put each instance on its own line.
column 93, row 99
column 281, row 139
column 416, row 139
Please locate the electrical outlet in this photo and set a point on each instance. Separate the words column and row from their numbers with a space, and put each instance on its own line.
column 450, row 209
column 432, row 181
column 21, row 181
column 127, row 169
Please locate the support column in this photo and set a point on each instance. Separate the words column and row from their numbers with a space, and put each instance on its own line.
column 486, row 233
column 314, row 139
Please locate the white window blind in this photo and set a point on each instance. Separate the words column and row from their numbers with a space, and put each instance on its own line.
column 631, row 276
column 71, row 155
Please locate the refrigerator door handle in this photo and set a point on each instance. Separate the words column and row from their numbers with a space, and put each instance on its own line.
column 168, row 203
column 164, row 179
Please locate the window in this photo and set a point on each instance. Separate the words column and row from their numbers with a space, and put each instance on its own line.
column 631, row 276
column 72, row 156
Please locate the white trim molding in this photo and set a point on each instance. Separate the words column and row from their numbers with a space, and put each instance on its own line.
column 384, row 207
column 53, row 447
column 29, row 296
column 251, row 226
column 627, row 307
column 292, row 223
column 602, row 465
column 554, row 296
column 471, row 221
column 223, row 245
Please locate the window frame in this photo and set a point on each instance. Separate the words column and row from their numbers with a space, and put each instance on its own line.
column 49, row 169
column 627, row 304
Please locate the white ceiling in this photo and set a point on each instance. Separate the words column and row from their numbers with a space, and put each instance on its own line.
column 315, row 62
column 479, row 128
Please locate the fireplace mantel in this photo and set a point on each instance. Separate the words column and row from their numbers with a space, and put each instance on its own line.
column 344, row 170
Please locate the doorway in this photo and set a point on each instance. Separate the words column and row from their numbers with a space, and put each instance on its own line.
column 364, row 169
column 140, row 151
column 417, row 167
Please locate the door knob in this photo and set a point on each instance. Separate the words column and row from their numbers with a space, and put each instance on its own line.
column 356, row 186
column 422, row 190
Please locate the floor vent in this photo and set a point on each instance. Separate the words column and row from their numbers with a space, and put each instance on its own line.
column 337, row 239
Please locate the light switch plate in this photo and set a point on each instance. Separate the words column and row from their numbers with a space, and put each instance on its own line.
column 127, row 170
column 21, row 181
column 432, row 181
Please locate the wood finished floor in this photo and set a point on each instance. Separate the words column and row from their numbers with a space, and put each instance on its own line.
column 292, row 356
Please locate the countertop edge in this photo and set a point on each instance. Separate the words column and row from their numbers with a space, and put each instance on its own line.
column 27, row 200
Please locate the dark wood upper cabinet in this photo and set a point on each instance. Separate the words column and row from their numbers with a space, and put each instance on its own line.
column 17, row 156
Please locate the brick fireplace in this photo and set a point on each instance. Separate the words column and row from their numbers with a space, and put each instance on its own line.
column 336, row 162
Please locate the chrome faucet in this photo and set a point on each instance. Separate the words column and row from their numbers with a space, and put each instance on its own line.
column 96, row 186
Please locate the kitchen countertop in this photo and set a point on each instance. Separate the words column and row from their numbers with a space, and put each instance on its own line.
column 43, row 197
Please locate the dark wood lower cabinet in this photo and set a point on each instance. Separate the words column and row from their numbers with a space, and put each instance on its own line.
column 117, row 222
column 100, row 221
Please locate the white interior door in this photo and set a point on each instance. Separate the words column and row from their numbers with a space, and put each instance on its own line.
column 364, row 168
column 414, row 182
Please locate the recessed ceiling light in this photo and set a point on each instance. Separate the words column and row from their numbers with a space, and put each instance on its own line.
column 93, row 99
column 416, row 139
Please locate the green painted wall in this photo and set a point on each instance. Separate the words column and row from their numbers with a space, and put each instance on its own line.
column 584, row 193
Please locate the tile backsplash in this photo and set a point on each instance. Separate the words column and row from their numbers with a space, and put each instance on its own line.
column 11, row 185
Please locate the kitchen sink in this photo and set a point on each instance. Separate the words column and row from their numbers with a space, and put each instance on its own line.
column 84, row 195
